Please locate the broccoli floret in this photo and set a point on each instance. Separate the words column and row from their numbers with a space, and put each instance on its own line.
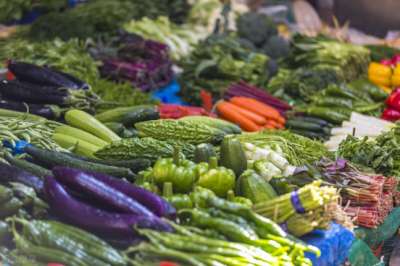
column 256, row 27
column 277, row 47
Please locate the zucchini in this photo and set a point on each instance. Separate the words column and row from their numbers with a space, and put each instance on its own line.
column 53, row 158
column 116, row 127
column 204, row 152
column 87, row 122
column 311, row 119
column 80, row 134
column 79, row 146
column 28, row 166
column 252, row 186
column 117, row 114
column 223, row 125
column 309, row 134
column 143, row 114
column 233, row 156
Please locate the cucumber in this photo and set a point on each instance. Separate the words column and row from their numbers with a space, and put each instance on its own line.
column 309, row 134
column 135, row 165
column 53, row 158
column 252, row 186
column 87, row 122
column 233, row 156
column 303, row 125
column 143, row 114
column 311, row 119
column 116, row 127
column 80, row 147
column 80, row 134
column 28, row 166
column 204, row 152
column 117, row 114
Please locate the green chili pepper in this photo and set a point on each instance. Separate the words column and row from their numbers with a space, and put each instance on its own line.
column 85, row 246
column 374, row 91
column 218, row 179
column 333, row 102
column 181, row 201
column 338, row 91
column 228, row 228
column 326, row 113
column 10, row 207
column 5, row 194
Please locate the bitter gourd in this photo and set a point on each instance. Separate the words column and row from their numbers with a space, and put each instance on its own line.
column 187, row 131
column 148, row 148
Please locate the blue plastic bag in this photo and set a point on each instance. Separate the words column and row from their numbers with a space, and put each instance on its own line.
column 334, row 244
column 169, row 94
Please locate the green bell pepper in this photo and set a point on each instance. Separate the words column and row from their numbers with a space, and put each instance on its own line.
column 181, row 173
column 218, row 179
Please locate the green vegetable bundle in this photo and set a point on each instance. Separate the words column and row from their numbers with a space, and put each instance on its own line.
column 309, row 197
column 218, row 61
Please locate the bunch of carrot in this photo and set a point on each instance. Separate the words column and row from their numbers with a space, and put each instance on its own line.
column 250, row 114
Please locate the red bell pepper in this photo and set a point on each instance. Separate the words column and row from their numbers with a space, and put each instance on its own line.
column 390, row 114
column 387, row 62
column 393, row 101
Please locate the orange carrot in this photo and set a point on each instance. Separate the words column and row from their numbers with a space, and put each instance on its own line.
column 226, row 112
column 268, row 126
column 281, row 120
column 258, row 119
column 273, row 123
column 256, row 107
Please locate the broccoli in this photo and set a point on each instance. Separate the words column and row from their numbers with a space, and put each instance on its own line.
column 276, row 47
column 256, row 27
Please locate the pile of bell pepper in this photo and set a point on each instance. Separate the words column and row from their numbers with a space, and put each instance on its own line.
column 385, row 74
column 392, row 110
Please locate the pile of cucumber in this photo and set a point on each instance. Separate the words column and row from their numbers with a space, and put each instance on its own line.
column 309, row 126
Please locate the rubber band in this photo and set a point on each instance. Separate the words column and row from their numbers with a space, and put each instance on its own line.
column 296, row 203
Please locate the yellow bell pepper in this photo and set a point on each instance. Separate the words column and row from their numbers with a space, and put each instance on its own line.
column 379, row 80
column 396, row 80
column 376, row 69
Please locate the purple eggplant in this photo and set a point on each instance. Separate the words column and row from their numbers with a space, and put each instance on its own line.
column 158, row 205
column 86, row 183
column 41, row 75
column 109, row 224
column 10, row 173
column 31, row 93
column 47, row 111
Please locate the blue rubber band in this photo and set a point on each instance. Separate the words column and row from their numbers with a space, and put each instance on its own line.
column 284, row 227
column 296, row 203
column 18, row 148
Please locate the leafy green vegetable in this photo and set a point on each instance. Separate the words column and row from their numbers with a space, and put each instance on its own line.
column 218, row 61
column 103, row 17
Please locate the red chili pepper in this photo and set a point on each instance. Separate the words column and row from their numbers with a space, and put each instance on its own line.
column 175, row 111
column 168, row 263
column 10, row 75
column 390, row 114
column 206, row 98
column 55, row 264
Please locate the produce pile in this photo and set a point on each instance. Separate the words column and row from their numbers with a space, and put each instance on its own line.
column 265, row 138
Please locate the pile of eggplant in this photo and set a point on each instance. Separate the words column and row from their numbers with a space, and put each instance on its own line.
column 44, row 91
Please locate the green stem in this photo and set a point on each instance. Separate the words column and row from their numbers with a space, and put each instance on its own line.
column 213, row 162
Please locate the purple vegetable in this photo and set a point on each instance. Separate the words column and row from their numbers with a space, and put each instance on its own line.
column 110, row 224
column 47, row 111
column 42, row 75
column 155, row 203
column 247, row 90
column 86, row 183
column 13, row 174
